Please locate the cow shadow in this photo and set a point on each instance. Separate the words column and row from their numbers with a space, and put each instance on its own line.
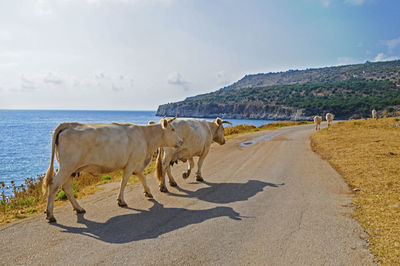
column 146, row 224
column 223, row 193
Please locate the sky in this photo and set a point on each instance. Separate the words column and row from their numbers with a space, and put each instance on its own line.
column 138, row 54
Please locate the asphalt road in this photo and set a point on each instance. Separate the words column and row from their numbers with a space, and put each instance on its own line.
column 269, row 201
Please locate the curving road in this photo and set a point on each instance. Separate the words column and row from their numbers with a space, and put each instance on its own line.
column 267, row 200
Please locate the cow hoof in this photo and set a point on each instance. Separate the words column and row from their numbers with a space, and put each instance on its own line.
column 51, row 219
column 122, row 204
column 81, row 211
column 162, row 189
column 173, row 184
column 199, row 178
column 185, row 175
column 148, row 195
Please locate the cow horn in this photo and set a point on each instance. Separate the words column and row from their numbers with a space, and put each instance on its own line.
column 227, row 122
column 171, row 119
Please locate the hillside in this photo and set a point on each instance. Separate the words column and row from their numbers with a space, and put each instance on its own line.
column 348, row 91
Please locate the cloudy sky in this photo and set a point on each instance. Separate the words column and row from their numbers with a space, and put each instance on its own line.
column 137, row 54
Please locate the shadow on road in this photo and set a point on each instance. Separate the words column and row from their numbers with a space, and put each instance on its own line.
column 146, row 224
column 226, row 192
column 158, row 220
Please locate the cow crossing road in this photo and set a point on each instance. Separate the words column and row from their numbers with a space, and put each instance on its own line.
column 273, row 202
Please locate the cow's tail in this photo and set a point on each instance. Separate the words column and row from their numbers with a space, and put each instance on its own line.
column 159, row 169
column 48, row 178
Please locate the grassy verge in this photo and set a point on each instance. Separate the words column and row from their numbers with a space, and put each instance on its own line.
column 367, row 154
column 28, row 200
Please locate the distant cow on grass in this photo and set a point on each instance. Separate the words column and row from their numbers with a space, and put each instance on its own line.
column 374, row 114
column 103, row 148
column 197, row 136
column 329, row 118
column 317, row 122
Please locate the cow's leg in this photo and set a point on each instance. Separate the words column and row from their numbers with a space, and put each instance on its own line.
column 166, row 168
column 124, row 181
column 190, row 167
column 165, row 165
column 58, row 179
column 170, row 177
column 142, row 179
column 199, row 165
column 67, row 187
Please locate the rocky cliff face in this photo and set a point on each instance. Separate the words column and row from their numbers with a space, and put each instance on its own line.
column 250, row 110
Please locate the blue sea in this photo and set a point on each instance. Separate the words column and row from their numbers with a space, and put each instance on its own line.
column 25, row 136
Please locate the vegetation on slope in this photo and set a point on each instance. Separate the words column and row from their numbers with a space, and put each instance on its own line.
column 343, row 98
column 366, row 153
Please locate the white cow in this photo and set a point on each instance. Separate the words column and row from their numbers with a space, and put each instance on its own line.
column 197, row 136
column 103, row 148
column 374, row 114
column 317, row 122
column 329, row 118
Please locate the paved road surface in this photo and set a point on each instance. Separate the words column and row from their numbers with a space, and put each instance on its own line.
column 270, row 202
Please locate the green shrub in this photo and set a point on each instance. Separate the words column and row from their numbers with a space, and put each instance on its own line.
column 61, row 195
column 106, row 177
column 27, row 202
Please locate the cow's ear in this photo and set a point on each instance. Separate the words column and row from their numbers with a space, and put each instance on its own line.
column 164, row 123
column 218, row 121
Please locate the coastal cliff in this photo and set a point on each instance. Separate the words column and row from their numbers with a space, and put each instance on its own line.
column 350, row 91
column 248, row 110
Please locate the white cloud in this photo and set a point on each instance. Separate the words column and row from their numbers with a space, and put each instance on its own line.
column 52, row 78
column 326, row 3
column 5, row 35
column 117, row 88
column 383, row 57
column 9, row 64
column 42, row 8
column 27, row 84
column 345, row 60
column 355, row 2
column 132, row 2
column 176, row 78
column 117, row 82
column 392, row 44
column 223, row 78
column 100, row 75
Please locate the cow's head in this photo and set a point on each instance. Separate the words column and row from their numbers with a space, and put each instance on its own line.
column 170, row 137
column 218, row 135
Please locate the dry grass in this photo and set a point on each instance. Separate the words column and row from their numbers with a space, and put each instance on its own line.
column 367, row 154
column 29, row 200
